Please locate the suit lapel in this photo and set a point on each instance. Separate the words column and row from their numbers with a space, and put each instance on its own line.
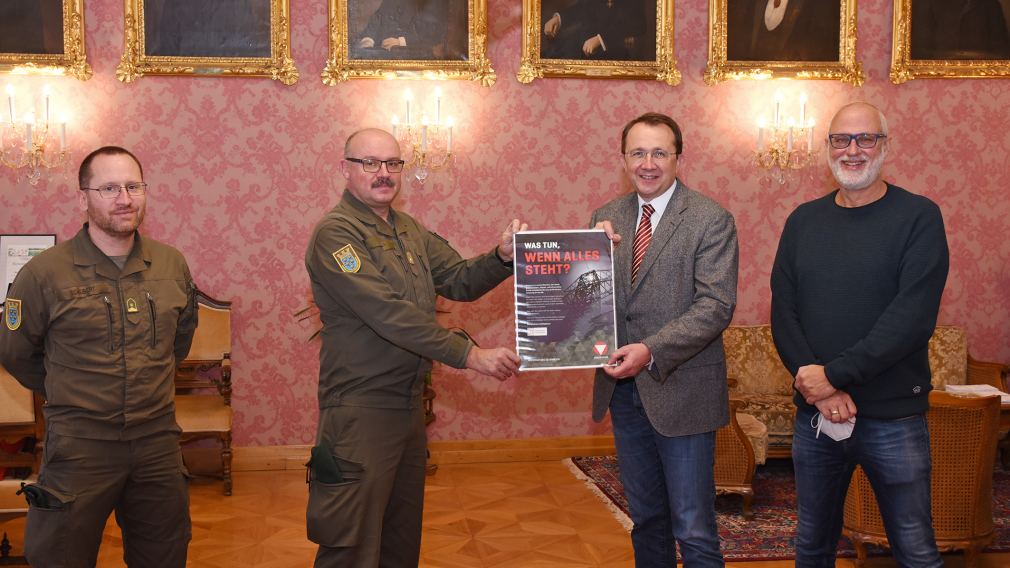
column 624, row 225
column 667, row 225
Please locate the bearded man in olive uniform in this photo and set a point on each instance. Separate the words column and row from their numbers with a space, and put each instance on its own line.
column 97, row 325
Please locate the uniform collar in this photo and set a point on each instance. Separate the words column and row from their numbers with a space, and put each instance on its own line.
column 363, row 213
column 87, row 254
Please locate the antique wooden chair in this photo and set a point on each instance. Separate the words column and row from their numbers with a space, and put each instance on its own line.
column 735, row 459
column 21, row 427
column 203, row 382
column 962, row 434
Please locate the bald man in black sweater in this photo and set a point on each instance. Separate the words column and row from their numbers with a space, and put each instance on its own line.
column 856, row 288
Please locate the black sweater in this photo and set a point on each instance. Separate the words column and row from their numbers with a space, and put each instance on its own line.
column 858, row 290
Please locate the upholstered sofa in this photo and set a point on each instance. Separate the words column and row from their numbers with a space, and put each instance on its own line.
column 764, row 387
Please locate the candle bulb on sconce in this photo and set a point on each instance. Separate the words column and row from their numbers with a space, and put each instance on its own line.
column 426, row 146
column 29, row 121
column 63, row 132
column 778, row 109
column 448, row 143
column 787, row 145
column 10, row 103
column 29, row 145
column 424, row 134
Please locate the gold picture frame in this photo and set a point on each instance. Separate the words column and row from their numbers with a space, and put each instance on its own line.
column 938, row 61
column 72, row 61
column 534, row 65
column 760, row 66
column 469, row 62
column 137, row 61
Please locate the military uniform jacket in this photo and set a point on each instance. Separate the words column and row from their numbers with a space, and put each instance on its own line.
column 375, row 285
column 101, row 343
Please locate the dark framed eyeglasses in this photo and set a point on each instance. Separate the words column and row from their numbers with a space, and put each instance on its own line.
column 371, row 165
column 112, row 190
column 863, row 140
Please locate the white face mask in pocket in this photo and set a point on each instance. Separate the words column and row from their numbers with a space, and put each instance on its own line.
column 835, row 431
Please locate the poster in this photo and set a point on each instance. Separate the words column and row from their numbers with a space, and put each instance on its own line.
column 15, row 252
column 564, row 286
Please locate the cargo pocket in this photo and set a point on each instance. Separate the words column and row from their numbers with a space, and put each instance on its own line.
column 335, row 510
column 47, row 529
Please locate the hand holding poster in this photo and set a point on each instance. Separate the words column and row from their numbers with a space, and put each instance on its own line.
column 564, row 286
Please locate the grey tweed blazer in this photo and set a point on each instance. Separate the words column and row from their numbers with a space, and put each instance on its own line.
column 683, row 299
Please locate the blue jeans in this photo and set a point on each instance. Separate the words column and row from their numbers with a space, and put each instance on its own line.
column 669, row 484
column 895, row 456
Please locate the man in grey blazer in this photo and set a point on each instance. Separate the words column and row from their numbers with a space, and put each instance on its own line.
column 666, row 389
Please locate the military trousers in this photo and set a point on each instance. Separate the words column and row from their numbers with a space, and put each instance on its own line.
column 372, row 517
column 83, row 481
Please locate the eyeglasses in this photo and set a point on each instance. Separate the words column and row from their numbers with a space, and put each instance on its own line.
column 112, row 190
column 863, row 140
column 658, row 156
column 371, row 166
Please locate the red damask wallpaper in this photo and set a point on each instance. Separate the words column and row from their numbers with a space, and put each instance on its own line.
column 241, row 169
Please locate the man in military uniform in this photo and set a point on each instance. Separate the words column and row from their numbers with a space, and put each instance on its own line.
column 96, row 324
column 375, row 273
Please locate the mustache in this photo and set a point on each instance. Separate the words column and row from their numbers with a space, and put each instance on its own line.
column 384, row 181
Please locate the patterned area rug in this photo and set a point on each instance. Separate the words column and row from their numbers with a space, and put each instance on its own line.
column 770, row 535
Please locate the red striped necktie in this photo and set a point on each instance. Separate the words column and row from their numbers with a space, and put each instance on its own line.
column 642, row 239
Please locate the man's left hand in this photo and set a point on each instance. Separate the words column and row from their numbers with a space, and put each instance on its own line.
column 813, row 384
column 630, row 360
column 608, row 228
column 507, row 236
column 592, row 44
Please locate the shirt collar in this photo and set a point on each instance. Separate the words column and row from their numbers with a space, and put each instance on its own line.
column 659, row 204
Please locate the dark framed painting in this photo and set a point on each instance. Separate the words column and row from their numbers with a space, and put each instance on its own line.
column 430, row 39
column 44, row 37
column 804, row 39
column 619, row 39
column 950, row 39
column 195, row 37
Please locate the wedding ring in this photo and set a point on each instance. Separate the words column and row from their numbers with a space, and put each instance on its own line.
column 834, row 412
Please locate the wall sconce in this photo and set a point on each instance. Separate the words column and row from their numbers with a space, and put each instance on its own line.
column 427, row 144
column 27, row 145
column 785, row 144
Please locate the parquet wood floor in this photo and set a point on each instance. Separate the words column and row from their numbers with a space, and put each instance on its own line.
column 509, row 515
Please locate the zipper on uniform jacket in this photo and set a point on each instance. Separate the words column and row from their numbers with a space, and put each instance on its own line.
column 108, row 312
column 403, row 258
column 154, row 321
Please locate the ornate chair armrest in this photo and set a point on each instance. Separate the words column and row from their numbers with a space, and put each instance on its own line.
column 987, row 373
column 224, row 387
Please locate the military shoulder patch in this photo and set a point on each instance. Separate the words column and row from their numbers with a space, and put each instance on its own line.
column 12, row 314
column 347, row 259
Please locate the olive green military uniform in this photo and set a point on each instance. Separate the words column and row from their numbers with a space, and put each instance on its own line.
column 375, row 284
column 101, row 343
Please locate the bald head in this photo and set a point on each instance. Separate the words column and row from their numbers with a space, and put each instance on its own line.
column 367, row 137
column 862, row 110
